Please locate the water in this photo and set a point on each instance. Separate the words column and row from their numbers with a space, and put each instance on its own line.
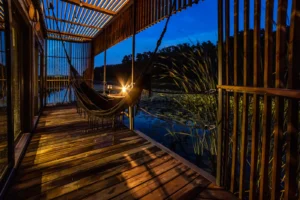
column 157, row 129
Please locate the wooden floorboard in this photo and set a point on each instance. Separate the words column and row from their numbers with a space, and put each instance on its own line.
column 66, row 160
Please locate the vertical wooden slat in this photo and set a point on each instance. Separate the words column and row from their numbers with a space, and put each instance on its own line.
column 219, row 178
column 267, row 101
column 255, row 105
column 236, row 101
column 148, row 12
column 159, row 9
column 179, row 5
column 244, row 136
column 163, row 8
column 104, row 67
column 154, row 10
column 184, row 4
column 166, row 7
column 290, row 183
column 226, row 109
column 279, row 101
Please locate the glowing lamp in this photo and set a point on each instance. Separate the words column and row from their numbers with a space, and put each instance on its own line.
column 124, row 89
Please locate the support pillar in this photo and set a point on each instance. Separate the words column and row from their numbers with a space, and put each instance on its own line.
column 9, row 57
column 104, row 73
column 131, row 108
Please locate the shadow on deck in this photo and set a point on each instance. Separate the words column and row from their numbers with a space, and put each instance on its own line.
column 63, row 161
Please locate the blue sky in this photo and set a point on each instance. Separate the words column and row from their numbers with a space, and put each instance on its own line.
column 196, row 23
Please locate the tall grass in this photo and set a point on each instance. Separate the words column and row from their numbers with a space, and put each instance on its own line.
column 194, row 73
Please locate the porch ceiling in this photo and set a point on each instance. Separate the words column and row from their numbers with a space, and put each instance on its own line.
column 79, row 20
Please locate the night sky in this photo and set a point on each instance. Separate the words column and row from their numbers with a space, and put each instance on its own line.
column 196, row 23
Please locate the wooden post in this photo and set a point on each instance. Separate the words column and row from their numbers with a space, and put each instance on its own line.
column 92, row 62
column 131, row 108
column 219, row 178
column 104, row 72
column 236, row 98
column 104, row 67
column 255, row 103
column 45, row 72
column 279, row 101
column 268, row 40
column 292, row 156
column 8, row 49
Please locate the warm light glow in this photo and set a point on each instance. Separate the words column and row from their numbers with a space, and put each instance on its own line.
column 124, row 89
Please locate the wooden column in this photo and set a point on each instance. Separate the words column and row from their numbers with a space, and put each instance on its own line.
column 290, row 183
column 92, row 61
column 104, row 72
column 131, row 109
column 268, row 40
column 236, row 98
column 104, row 67
column 219, row 178
column 9, row 57
column 255, row 103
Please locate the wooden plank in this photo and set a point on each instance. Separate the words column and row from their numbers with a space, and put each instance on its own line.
column 267, row 101
column 72, row 161
column 86, row 37
column 172, row 186
column 90, row 7
column 76, row 169
column 83, row 187
column 149, row 186
column 280, row 63
column 244, row 134
column 133, row 181
column 203, row 173
column 227, row 105
column 72, row 22
column 236, row 98
column 255, row 103
column 220, row 165
column 290, row 183
column 191, row 190
column 213, row 192
column 112, row 169
column 288, row 93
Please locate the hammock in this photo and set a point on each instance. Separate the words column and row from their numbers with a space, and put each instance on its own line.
column 96, row 105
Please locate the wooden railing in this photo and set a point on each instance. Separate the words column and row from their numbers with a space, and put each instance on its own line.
column 259, row 99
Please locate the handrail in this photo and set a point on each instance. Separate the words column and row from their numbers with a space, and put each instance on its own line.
column 289, row 93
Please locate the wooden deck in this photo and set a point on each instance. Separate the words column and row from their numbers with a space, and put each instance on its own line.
column 63, row 161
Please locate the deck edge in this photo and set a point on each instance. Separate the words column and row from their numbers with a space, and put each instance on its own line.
column 203, row 173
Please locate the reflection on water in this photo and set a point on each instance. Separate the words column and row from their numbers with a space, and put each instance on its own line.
column 64, row 95
column 157, row 129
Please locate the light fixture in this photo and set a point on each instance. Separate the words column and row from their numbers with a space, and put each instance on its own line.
column 124, row 89
column 80, row 3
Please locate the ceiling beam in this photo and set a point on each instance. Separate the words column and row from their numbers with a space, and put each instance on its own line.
column 67, row 40
column 71, row 22
column 90, row 7
column 70, row 34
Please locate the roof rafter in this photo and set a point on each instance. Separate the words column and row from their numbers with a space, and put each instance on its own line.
column 90, row 7
column 70, row 34
column 75, row 23
column 67, row 39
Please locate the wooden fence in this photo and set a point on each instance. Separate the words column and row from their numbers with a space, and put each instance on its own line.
column 58, row 69
column 259, row 95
